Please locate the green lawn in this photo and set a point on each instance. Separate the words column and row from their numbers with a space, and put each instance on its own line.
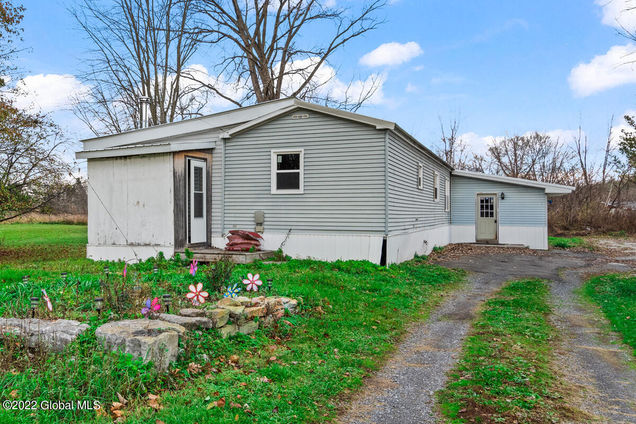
column 24, row 243
column 14, row 235
column 504, row 374
column 616, row 295
column 566, row 242
column 352, row 315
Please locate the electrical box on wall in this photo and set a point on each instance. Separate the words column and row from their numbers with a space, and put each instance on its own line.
column 259, row 221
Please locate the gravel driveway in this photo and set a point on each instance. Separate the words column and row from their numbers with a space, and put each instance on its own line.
column 403, row 390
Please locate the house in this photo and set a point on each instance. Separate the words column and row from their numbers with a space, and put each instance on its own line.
column 315, row 181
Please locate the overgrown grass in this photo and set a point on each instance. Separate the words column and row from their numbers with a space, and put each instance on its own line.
column 41, row 242
column 504, row 374
column 566, row 242
column 616, row 295
column 352, row 315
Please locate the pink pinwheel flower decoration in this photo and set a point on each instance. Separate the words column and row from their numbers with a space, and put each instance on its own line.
column 49, row 305
column 193, row 267
column 151, row 306
column 252, row 282
column 196, row 294
column 124, row 274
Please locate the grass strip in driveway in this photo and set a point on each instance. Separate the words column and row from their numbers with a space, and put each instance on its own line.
column 616, row 295
column 504, row 374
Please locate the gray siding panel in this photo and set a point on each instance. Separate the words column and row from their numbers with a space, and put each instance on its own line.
column 343, row 176
column 522, row 206
column 408, row 206
column 217, row 188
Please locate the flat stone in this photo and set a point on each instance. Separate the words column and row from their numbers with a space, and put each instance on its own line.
column 227, row 301
column 189, row 323
column 150, row 340
column 244, row 300
column 255, row 311
column 291, row 305
column 257, row 301
column 192, row 312
column 248, row 328
column 219, row 316
column 55, row 335
column 228, row 330
column 275, row 307
column 235, row 311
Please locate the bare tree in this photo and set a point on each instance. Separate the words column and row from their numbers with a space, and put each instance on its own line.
column 607, row 162
column 266, row 46
column 140, row 48
column 452, row 148
column 32, row 172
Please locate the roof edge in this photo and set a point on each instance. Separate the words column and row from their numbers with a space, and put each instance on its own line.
column 549, row 188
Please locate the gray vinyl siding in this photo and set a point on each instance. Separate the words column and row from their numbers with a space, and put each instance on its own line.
column 521, row 206
column 410, row 207
column 343, row 176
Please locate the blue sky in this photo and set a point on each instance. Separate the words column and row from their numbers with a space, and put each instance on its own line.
column 505, row 67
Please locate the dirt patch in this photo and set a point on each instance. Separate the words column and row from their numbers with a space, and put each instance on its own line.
column 41, row 253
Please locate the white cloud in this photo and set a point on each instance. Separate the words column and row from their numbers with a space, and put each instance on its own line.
column 477, row 144
column 411, row 88
column 604, row 71
column 617, row 130
column 50, row 92
column 620, row 14
column 388, row 54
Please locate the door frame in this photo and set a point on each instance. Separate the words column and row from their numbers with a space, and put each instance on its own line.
column 188, row 200
column 496, row 239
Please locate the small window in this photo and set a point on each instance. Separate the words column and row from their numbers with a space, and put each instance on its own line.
column 447, row 197
column 486, row 207
column 287, row 172
column 420, row 176
column 436, row 186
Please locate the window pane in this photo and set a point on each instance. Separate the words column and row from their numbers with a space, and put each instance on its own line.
column 198, row 178
column 288, row 181
column 198, row 205
column 288, row 161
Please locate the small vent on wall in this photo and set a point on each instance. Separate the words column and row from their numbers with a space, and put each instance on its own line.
column 300, row 116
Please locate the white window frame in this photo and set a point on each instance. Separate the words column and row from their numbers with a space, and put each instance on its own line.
column 274, row 171
column 447, row 197
column 420, row 176
column 436, row 186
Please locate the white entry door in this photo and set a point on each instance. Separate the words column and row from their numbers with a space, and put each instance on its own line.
column 197, row 201
column 486, row 217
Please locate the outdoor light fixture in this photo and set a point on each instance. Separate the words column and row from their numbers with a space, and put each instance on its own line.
column 155, row 269
column 99, row 304
column 269, row 284
column 503, row 196
column 64, row 275
column 106, row 270
column 25, row 279
column 167, row 298
column 34, row 304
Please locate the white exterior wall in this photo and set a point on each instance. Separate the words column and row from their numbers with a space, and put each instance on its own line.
column 130, row 207
column 402, row 247
column 323, row 246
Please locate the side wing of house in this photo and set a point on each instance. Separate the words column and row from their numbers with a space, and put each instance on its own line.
column 418, row 208
column 317, row 179
column 498, row 212
column 130, row 207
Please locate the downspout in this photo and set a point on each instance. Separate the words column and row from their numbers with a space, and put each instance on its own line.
column 386, row 196
column 223, row 188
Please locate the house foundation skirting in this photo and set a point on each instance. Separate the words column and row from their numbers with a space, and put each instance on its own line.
column 402, row 247
column 535, row 237
column 325, row 247
column 125, row 252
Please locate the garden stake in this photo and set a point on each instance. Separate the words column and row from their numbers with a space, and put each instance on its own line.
column 99, row 304
column 34, row 304
column 167, row 298
column 269, row 285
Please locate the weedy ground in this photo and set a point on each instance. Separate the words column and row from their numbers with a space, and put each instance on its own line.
column 568, row 243
column 616, row 296
column 505, row 372
column 352, row 314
